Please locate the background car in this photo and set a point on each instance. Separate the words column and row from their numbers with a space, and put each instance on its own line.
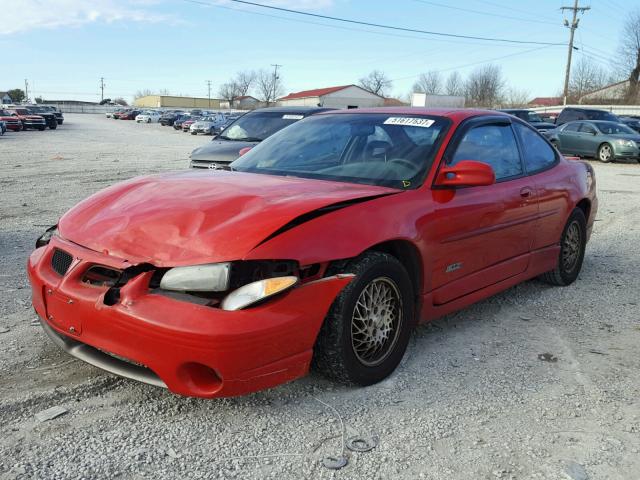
column 56, row 112
column 11, row 120
column 186, row 125
column 246, row 132
column 177, row 123
column 29, row 120
column 531, row 117
column 148, row 116
column 570, row 114
column 129, row 115
column 633, row 123
column 169, row 117
column 208, row 124
column 606, row 141
column 49, row 117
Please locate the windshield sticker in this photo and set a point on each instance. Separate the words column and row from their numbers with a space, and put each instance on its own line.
column 409, row 121
column 292, row 117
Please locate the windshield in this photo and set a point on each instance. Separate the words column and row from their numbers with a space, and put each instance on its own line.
column 373, row 149
column 255, row 127
column 600, row 115
column 533, row 117
column 610, row 128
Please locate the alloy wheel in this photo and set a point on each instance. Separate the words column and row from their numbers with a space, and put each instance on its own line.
column 605, row 153
column 571, row 247
column 376, row 321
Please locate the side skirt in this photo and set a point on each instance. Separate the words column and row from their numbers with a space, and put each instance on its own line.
column 541, row 261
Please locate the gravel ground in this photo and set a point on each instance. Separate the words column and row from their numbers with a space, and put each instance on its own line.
column 472, row 399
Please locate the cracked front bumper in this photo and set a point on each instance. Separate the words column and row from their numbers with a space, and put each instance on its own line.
column 191, row 349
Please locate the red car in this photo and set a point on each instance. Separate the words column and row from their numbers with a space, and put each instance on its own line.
column 11, row 120
column 325, row 244
column 128, row 115
column 186, row 125
column 28, row 120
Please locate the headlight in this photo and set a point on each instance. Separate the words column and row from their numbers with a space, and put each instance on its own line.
column 213, row 277
column 45, row 238
column 257, row 291
column 625, row 143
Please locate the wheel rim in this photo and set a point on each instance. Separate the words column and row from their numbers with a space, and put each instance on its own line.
column 376, row 321
column 571, row 247
column 605, row 153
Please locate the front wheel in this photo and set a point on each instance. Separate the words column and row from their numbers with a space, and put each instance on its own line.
column 572, row 246
column 367, row 329
column 41, row 128
column 605, row 153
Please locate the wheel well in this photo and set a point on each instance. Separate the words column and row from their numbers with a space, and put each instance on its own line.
column 408, row 255
column 585, row 206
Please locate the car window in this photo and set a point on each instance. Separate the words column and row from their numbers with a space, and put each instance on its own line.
column 586, row 128
column 610, row 128
column 538, row 154
column 494, row 145
column 571, row 127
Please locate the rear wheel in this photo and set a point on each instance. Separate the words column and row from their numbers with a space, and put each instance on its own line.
column 367, row 329
column 605, row 153
column 572, row 245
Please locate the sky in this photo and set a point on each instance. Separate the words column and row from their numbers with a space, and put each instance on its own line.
column 64, row 47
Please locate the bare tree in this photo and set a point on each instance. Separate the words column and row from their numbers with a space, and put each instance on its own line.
column 516, row 98
column 429, row 83
column 630, row 53
column 269, row 86
column 484, row 86
column 454, row 85
column 376, row 82
column 244, row 80
column 228, row 91
column 143, row 93
column 586, row 77
column 164, row 92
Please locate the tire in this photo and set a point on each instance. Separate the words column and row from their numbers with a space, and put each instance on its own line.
column 54, row 126
column 343, row 351
column 605, row 153
column 571, row 251
column 194, row 133
column 148, row 120
column 41, row 128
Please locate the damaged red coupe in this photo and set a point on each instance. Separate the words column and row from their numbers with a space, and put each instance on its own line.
column 324, row 245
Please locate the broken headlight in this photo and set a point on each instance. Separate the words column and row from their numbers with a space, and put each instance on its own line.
column 45, row 238
column 213, row 277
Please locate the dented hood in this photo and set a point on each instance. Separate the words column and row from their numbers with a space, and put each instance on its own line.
column 198, row 217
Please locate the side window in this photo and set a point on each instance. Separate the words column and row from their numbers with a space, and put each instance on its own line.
column 494, row 145
column 538, row 155
column 572, row 127
column 586, row 128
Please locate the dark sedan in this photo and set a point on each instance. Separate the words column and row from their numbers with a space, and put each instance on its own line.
column 531, row 117
column 633, row 123
column 606, row 141
column 246, row 132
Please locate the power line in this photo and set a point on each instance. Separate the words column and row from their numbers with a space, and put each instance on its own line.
column 572, row 26
column 102, row 85
column 209, row 92
column 510, row 7
column 489, row 14
column 378, row 25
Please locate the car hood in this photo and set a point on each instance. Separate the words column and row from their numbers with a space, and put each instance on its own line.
column 626, row 136
column 220, row 151
column 196, row 217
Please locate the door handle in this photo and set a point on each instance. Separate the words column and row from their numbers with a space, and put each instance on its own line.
column 526, row 192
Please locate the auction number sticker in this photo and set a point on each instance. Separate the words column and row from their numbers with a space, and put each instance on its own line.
column 292, row 117
column 409, row 121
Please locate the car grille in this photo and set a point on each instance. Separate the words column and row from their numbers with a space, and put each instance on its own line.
column 61, row 261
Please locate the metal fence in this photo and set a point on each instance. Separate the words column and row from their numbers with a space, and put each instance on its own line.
column 620, row 110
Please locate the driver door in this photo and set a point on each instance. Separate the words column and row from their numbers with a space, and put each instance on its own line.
column 484, row 234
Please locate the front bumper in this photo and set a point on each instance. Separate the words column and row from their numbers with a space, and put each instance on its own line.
column 33, row 123
column 626, row 152
column 193, row 350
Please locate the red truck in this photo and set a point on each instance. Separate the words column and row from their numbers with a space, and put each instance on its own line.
column 28, row 120
column 11, row 120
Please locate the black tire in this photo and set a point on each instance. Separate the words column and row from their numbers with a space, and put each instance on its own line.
column 567, row 272
column 602, row 153
column 335, row 350
column 53, row 126
column 41, row 128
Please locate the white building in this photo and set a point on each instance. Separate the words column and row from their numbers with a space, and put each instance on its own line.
column 345, row 96
column 5, row 98
column 613, row 92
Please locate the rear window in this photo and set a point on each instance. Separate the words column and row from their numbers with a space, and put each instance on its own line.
column 538, row 154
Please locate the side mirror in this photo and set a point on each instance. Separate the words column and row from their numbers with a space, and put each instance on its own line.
column 466, row 173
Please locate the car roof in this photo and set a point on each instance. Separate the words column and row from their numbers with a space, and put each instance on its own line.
column 457, row 114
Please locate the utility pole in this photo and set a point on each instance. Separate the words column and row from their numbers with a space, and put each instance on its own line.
column 102, row 85
column 574, row 24
column 275, row 80
column 209, row 89
column 26, row 90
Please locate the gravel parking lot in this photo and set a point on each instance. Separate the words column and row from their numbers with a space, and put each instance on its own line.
column 536, row 383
